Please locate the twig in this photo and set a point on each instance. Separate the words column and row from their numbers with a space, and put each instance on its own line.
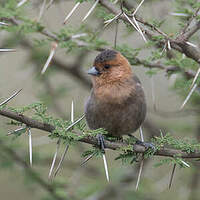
column 189, row 21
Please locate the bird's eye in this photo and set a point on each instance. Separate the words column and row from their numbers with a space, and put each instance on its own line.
column 107, row 66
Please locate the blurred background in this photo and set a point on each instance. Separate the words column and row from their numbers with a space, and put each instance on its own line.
column 66, row 80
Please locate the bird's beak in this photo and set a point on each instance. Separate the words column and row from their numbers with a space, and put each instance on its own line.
column 94, row 71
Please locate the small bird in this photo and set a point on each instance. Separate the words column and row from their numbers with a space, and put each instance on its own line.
column 117, row 101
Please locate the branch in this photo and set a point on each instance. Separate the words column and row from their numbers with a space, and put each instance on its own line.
column 189, row 22
column 91, row 140
column 192, row 31
column 178, row 44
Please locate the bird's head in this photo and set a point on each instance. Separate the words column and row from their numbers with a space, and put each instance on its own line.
column 110, row 67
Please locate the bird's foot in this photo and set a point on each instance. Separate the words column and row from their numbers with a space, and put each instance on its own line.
column 100, row 142
column 147, row 145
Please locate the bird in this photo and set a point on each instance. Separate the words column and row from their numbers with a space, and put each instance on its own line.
column 117, row 101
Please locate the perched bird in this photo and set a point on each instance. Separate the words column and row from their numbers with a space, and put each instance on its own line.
column 117, row 101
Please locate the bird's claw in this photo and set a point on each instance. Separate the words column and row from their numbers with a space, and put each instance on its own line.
column 147, row 145
column 100, row 142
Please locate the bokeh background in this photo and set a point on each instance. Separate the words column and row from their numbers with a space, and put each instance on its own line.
column 59, row 86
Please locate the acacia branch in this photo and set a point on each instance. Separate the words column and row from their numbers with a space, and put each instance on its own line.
column 92, row 140
column 178, row 44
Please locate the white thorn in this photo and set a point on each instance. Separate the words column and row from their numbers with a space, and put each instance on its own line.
column 153, row 93
column 135, row 26
column 142, row 162
column 49, row 4
column 72, row 112
column 21, row 3
column 53, row 49
column 11, row 97
column 172, row 175
column 91, row 9
column 4, row 24
column 79, row 35
column 189, row 95
column 179, row 14
column 30, row 147
column 138, row 7
column 7, row 50
column 73, row 124
column 191, row 44
column 15, row 131
column 111, row 20
column 186, row 164
column 161, row 134
column 67, row 146
column 106, row 167
column 54, row 158
column 87, row 159
column 141, row 134
column 139, row 174
column 164, row 49
column 131, row 22
column 139, row 29
column 196, row 76
column 169, row 45
column 41, row 10
column 61, row 160
column 71, row 12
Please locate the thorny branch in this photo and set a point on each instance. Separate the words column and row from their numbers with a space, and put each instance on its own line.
column 91, row 140
column 178, row 44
